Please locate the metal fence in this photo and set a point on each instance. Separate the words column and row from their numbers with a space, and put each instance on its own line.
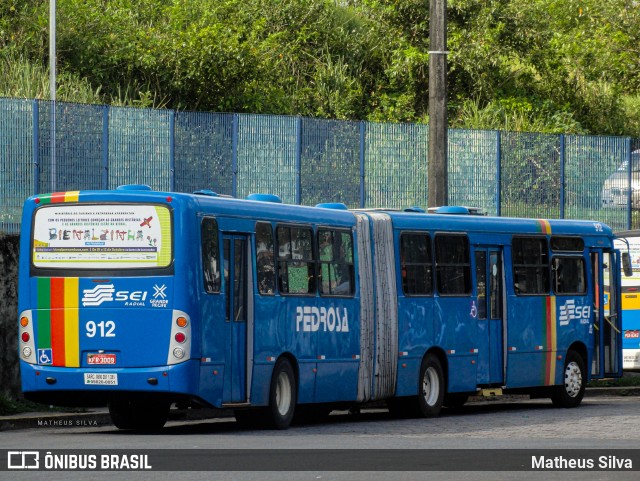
column 307, row 161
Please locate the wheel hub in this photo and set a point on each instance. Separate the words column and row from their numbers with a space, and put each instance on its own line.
column 430, row 386
column 283, row 394
column 572, row 379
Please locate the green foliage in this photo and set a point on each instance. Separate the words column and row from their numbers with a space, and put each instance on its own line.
column 24, row 79
column 14, row 406
column 516, row 114
column 540, row 65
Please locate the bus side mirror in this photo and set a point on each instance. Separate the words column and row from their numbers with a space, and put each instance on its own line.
column 626, row 264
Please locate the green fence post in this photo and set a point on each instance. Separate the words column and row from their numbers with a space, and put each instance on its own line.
column 299, row 160
column 498, row 173
column 627, row 148
column 234, row 156
column 362, row 172
column 105, row 147
column 562, row 175
column 36, row 141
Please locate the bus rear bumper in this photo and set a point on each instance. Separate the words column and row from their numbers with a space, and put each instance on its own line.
column 90, row 386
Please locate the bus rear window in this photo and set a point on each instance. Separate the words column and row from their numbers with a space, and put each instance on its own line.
column 102, row 237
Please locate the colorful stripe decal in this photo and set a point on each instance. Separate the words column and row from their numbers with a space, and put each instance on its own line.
column 545, row 226
column 44, row 314
column 72, row 321
column 551, row 338
column 58, row 320
column 58, row 197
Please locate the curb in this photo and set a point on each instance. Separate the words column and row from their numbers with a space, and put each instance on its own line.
column 95, row 418
column 613, row 391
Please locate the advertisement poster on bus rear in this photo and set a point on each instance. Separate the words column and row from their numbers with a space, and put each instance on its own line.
column 102, row 236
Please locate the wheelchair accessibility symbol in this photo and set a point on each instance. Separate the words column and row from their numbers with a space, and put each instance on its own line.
column 45, row 356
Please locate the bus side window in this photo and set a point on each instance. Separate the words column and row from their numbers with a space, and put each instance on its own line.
column 335, row 252
column 210, row 255
column 453, row 266
column 416, row 264
column 530, row 265
column 569, row 275
column 265, row 259
column 296, row 264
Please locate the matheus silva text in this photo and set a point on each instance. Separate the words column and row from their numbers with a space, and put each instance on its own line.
column 561, row 462
column 54, row 423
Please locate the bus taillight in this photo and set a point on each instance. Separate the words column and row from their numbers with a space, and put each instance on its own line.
column 27, row 342
column 178, row 352
column 180, row 345
column 181, row 322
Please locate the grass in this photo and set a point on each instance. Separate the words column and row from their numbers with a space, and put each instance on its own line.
column 23, row 78
column 628, row 380
column 10, row 406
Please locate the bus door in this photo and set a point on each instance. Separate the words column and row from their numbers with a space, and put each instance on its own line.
column 236, row 277
column 606, row 318
column 489, row 315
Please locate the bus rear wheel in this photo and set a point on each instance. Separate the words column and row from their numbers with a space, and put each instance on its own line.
column 282, row 395
column 138, row 415
column 570, row 393
column 431, row 386
column 456, row 399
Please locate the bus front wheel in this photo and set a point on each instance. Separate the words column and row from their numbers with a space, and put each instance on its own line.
column 431, row 386
column 570, row 393
column 282, row 395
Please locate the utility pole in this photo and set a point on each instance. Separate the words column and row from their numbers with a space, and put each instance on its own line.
column 437, row 173
column 52, row 89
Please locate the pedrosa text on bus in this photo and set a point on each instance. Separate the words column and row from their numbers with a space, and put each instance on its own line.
column 313, row 319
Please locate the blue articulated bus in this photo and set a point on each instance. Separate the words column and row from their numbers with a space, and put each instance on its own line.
column 142, row 299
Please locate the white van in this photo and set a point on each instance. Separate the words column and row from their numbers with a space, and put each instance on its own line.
column 615, row 190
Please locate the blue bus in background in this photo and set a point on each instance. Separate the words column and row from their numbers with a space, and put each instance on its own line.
column 630, row 240
column 141, row 299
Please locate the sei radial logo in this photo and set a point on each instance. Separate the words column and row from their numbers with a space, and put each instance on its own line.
column 98, row 295
column 569, row 311
column 107, row 293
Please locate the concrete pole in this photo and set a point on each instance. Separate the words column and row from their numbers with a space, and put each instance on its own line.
column 437, row 173
column 52, row 88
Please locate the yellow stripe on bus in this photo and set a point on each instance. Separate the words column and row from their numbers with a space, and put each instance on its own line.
column 71, row 322
column 631, row 301
column 72, row 196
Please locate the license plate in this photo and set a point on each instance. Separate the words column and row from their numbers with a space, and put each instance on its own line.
column 94, row 359
column 100, row 379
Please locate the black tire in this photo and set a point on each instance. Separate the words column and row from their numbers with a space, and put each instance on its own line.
column 456, row 399
column 283, row 395
column 250, row 418
column 404, row 407
column 431, row 386
column 138, row 415
column 310, row 414
column 570, row 393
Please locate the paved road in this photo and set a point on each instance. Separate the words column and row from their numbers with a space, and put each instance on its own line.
column 602, row 423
